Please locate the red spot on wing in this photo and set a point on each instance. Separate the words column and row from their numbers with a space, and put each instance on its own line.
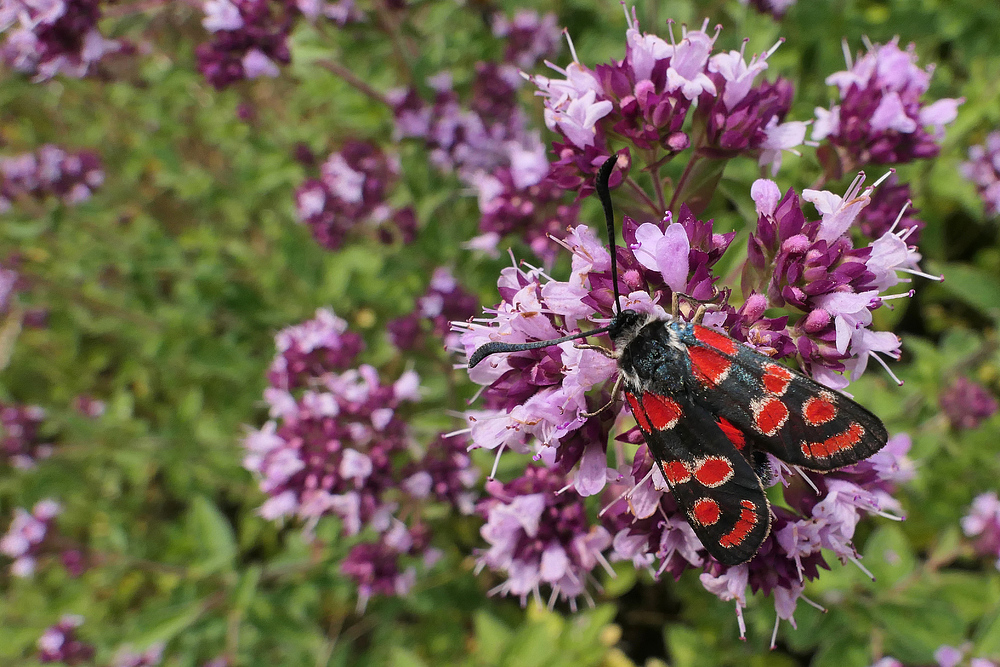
column 736, row 436
column 638, row 412
column 820, row 409
column 662, row 411
column 676, row 472
column 713, row 338
column 770, row 414
column 745, row 524
column 835, row 443
column 710, row 367
column 713, row 471
column 705, row 511
column 776, row 379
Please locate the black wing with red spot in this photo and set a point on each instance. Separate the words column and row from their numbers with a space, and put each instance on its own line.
column 713, row 483
column 777, row 409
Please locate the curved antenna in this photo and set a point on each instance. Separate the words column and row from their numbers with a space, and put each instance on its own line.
column 495, row 347
column 487, row 349
column 609, row 217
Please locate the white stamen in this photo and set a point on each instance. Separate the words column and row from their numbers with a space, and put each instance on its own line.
column 864, row 569
column 923, row 275
column 572, row 49
column 774, row 633
column 812, row 604
column 806, row 478
column 884, row 176
column 847, row 53
column 769, row 52
column 496, row 462
column 888, row 370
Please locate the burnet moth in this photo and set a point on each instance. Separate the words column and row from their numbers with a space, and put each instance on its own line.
column 710, row 407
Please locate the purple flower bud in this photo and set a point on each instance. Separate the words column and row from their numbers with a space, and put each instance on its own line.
column 967, row 404
column 776, row 8
column 376, row 567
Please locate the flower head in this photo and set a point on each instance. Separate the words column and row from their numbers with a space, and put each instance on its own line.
column 54, row 37
column 539, row 534
column 967, row 404
column 24, row 539
column 881, row 118
column 59, row 643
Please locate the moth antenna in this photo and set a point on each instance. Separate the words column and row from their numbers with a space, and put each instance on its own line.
column 603, row 176
column 495, row 347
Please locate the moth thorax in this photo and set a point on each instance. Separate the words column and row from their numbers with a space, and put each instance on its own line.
column 625, row 326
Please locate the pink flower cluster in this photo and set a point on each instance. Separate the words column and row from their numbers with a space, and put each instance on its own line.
column 644, row 100
column 128, row 657
column 486, row 142
column 812, row 268
column 444, row 301
column 249, row 39
column 20, row 443
column 49, row 37
column 49, row 171
column 530, row 36
column 538, row 400
column 352, row 193
column 881, row 118
column 983, row 169
column 59, row 643
column 337, row 446
column 945, row 656
column 24, row 539
column 982, row 524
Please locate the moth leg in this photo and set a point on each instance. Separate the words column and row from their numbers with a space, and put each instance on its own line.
column 675, row 305
column 699, row 314
column 614, row 397
column 610, row 354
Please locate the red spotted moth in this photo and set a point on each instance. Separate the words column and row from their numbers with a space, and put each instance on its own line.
column 710, row 407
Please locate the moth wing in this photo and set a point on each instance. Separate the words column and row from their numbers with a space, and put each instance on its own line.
column 714, row 485
column 780, row 410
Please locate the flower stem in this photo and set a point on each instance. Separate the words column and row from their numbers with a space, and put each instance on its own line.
column 351, row 78
column 643, row 196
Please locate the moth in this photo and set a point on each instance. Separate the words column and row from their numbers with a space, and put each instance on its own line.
column 710, row 407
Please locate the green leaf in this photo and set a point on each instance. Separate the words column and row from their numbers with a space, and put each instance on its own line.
column 971, row 285
column 214, row 535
